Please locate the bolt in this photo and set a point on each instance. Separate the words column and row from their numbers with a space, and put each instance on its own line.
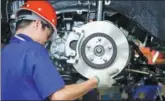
column 107, row 2
column 74, row 30
column 79, row 12
column 91, row 59
column 88, row 47
column 99, row 50
column 105, row 60
column 109, row 47
column 82, row 31
column 99, row 40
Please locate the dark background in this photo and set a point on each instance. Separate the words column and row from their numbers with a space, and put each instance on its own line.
column 149, row 14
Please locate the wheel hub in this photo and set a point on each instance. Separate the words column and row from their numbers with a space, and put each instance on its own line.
column 102, row 48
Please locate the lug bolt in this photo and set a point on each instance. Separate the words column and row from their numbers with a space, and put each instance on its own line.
column 99, row 40
column 88, row 47
column 105, row 60
column 91, row 59
column 109, row 47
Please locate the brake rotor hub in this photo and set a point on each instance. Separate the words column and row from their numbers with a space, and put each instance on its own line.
column 98, row 50
column 102, row 48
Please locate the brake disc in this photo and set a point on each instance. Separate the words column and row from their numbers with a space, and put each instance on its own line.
column 103, row 48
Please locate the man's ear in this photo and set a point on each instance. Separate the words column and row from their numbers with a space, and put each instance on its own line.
column 38, row 24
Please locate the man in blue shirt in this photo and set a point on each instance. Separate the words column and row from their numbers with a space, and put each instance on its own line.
column 27, row 71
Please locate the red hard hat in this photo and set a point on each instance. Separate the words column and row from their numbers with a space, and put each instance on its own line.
column 43, row 9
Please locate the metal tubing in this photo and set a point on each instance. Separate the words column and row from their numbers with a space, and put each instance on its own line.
column 100, row 4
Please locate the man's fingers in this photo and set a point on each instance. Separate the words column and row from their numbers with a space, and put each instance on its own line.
column 114, row 81
column 111, row 82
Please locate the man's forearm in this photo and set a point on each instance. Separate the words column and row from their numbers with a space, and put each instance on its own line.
column 74, row 91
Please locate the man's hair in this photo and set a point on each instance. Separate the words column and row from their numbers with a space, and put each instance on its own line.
column 24, row 22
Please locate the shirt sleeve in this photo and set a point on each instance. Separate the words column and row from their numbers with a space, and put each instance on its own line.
column 46, row 77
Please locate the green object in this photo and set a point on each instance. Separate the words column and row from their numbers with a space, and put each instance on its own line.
column 98, row 80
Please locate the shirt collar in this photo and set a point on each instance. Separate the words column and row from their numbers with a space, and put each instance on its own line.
column 19, row 38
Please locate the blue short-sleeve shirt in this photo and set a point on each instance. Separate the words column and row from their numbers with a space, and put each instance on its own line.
column 28, row 73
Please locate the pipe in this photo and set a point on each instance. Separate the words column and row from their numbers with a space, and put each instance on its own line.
column 138, row 71
column 100, row 4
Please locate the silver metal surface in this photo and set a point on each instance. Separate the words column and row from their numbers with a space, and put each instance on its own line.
column 68, row 51
column 138, row 71
column 60, row 47
column 100, row 5
column 120, row 40
column 107, row 2
column 99, row 50
column 57, row 47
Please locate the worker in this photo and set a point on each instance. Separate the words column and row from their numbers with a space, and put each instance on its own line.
column 27, row 70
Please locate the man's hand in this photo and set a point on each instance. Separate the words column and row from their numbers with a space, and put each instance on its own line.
column 105, row 81
column 74, row 91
